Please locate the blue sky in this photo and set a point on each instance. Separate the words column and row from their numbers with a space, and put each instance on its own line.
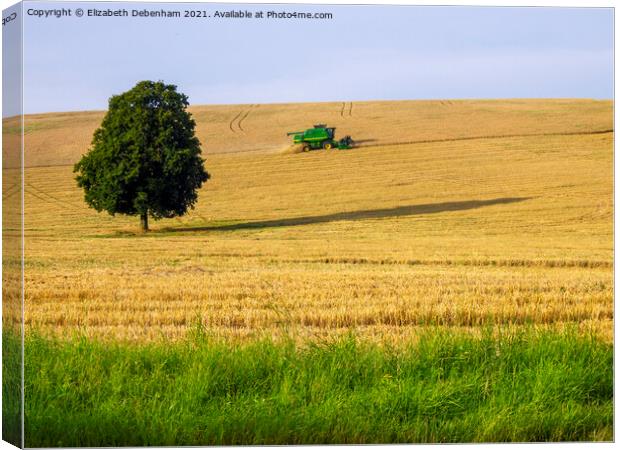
column 364, row 53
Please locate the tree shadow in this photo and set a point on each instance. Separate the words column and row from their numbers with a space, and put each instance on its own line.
column 410, row 210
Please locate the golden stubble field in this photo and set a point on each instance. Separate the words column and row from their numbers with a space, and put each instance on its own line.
column 452, row 213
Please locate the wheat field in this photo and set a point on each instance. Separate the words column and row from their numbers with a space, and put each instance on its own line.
column 461, row 214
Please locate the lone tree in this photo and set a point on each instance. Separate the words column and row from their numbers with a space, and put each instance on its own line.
column 144, row 159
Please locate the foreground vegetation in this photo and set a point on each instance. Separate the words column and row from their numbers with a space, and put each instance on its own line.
column 451, row 219
column 11, row 385
column 442, row 387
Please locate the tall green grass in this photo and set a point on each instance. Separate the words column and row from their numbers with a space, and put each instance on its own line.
column 12, row 387
column 445, row 387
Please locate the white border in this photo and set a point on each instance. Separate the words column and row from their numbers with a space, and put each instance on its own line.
column 531, row 3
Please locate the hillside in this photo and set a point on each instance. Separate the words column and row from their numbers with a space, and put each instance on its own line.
column 455, row 226
column 60, row 138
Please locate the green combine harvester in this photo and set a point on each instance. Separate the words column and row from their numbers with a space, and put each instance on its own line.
column 320, row 137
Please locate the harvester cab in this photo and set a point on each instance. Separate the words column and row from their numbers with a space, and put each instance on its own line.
column 320, row 136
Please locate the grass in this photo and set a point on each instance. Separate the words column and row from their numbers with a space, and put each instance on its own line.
column 11, row 386
column 451, row 218
column 441, row 387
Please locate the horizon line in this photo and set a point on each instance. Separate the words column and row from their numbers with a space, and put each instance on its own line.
column 463, row 99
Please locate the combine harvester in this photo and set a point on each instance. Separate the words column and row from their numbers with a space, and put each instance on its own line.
column 320, row 137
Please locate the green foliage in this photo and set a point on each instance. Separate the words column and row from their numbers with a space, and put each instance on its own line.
column 11, row 387
column 145, row 158
column 446, row 387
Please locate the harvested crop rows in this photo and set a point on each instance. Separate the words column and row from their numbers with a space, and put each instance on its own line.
column 60, row 139
column 460, row 231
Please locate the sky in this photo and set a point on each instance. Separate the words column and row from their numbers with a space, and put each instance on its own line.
column 363, row 53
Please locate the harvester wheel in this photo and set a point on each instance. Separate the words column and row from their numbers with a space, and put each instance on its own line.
column 305, row 148
column 327, row 145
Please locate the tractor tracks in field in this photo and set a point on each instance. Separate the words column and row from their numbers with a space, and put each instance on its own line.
column 474, row 138
column 48, row 198
column 346, row 112
column 35, row 195
column 245, row 116
column 232, row 122
column 10, row 191
column 235, row 124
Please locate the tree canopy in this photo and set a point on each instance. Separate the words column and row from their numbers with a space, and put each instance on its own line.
column 145, row 158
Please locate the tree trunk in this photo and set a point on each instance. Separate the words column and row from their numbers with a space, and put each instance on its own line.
column 144, row 222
